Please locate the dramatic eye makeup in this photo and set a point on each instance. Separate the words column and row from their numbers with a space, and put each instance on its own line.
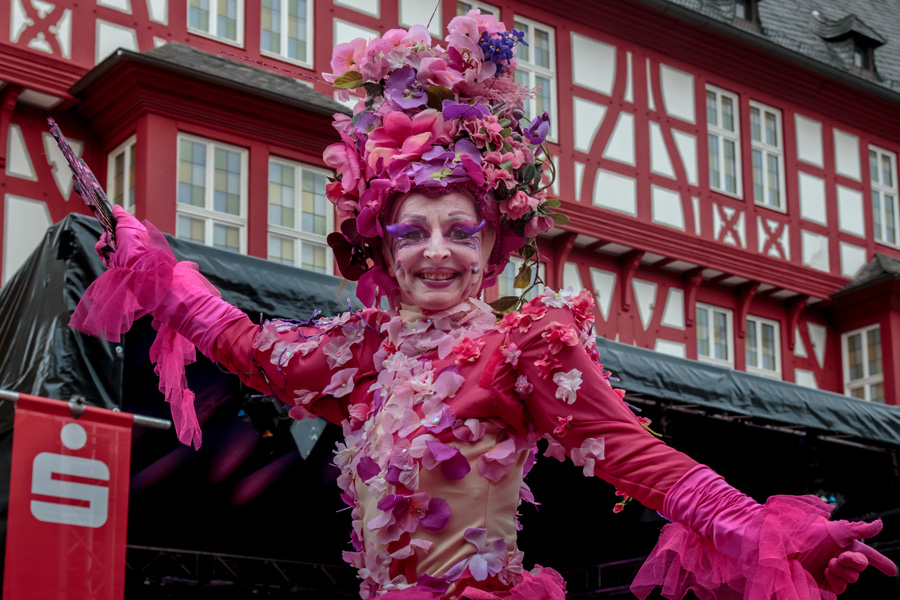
column 403, row 230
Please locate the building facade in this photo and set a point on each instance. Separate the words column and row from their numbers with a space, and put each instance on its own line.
column 729, row 166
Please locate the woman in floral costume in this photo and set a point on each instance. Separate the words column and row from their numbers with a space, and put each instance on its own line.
column 442, row 403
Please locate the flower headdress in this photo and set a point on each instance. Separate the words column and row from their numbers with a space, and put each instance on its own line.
column 436, row 119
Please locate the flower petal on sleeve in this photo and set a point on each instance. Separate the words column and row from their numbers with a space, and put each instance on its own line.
column 341, row 383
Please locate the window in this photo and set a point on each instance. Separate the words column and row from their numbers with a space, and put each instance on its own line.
column 746, row 10
column 714, row 339
column 223, row 19
column 486, row 9
column 768, row 156
column 883, row 176
column 863, row 56
column 763, row 347
column 863, row 374
column 212, row 194
column 287, row 29
column 120, row 175
column 537, row 68
column 506, row 279
column 724, row 141
column 299, row 216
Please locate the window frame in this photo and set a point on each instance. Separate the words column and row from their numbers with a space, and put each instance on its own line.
column 128, row 147
column 534, row 70
column 212, row 32
column 723, row 134
column 867, row 382
column 749, row 6
column 766, row 148
column 310, row 42
column 209, row 215
column 296, row 233
column 484, row 7
column 875, row 185
column 756, row 322
column 729, row 325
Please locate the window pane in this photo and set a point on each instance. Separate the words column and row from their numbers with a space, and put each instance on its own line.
column 876, row 392
column 192, row 173
column 270, row 17
column 887, row 175
column 226, row 20
column 755, row 125
column 859, row 392
column 226, row 237
column 522, row 51
column 703, row 332
column 281, row 195
column 854, row 357
column 768, row 347
column 198, row 14
column 730, row 167
column 876, row 215
column 281, row 250
column 296, row 27
column 889, row 220
column 542, row 99
column 873, row 166
column 774, row 181
column 132, row 151
column 118, row 191
column 714, row 174
column 751, row 345
column 720, row 331
column 227, row 182
column 759, row 195
column 712, row 111
column 313, row 258
column 541, row 42
column 771, row 129
column 314, row 203
column 462, row 8
column 188, row 228
column 727, row 113
column 873, row 341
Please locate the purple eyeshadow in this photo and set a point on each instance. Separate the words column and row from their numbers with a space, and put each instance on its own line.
column 471, row 230
column 400, row 230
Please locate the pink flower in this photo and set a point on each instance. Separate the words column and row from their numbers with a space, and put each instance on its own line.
column 435, row 71
column 523, row 319
column 267, row 335
column 345, row 160
column 380, row 57
column 341, row 383
column 485, row 132
column 402, row 138
column 515, row 158
column 495, row 464
column 303, row 397
column 486, row 562
column 523, row 387
column 583, row 307
column 546, row 365
column 463, row 35
column 511, row 354
column 567, row 384
column 467, row 350
column 519, row 205
column 337, row 351
column 554, row 448
column 495, row 177
column 563, row 427
column 345, row 57
column 558, row 336
column 538, row 224
column 591, row 450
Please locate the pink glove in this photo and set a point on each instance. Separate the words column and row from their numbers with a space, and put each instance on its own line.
column 144, row 278
column 830, row 551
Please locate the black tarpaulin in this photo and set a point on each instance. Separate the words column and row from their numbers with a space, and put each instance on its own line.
column 683, row 381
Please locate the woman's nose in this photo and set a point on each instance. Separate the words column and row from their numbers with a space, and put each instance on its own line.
column 437, row 249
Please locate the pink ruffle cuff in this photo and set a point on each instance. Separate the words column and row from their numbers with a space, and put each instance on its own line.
column 684, row 560
column 541, row 583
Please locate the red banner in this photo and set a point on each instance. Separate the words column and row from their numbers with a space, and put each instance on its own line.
column 68, row 502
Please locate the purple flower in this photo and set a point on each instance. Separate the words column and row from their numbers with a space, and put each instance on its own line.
column 440, row 166
column 456, row 110
column 538, row 130
column 486, row 562
column 404, row 90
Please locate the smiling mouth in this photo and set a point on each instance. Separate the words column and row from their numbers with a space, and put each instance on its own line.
column 437, row 276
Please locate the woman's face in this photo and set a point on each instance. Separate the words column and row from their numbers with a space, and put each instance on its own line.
column 438, row 250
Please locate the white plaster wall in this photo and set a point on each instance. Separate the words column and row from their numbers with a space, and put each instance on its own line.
column 660, row 163
column 25, row 221
column 799, row 346
column 604, row 284
column 615, row 192
column 158, row 11
column 814, row 248
column 805, row 378
column 853, row 258
column 111, row 36
column 666, row 208
column 762, row 237
column 571, row 277
column 629, row 91
column 579, row 177
column 18, row 163
column 677, row 93
column 586, row 121
column 812, row 198
column 593, row 64
column 673, row 315
column 809, row 140
column 416, row 12
column 645, row 298
column 851, row 218
column 62, row 174
column 620, row 147
column 719, row 224
column 345, row 31
column 687, row 149
column 121, row 5
column 817, row 339
column 670, row 348
column 369, row 7
column 846, row 154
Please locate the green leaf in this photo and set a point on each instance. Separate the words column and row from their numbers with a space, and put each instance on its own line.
column 528, row 251
column 504, row 303
column 436, row 96
column 505, row 122
column 505, row 132
column 349, row 80
column 551, row 202
column 528, row 172
column 559, row 219
column 523, row 277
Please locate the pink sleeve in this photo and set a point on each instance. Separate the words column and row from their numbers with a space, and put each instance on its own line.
column 570, row 400
column 312, row 367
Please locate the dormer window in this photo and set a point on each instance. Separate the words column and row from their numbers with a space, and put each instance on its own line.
column 746, row 10
column 863, row 56
column 851, row 39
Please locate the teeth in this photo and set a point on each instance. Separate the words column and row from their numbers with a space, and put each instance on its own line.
column 437, row 276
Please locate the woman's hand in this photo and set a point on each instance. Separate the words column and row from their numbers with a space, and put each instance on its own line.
column 132, row 241
column 841, row 556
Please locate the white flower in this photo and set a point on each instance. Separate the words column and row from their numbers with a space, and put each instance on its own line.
column 591, row 450
column 567, row 385
column 558, row 299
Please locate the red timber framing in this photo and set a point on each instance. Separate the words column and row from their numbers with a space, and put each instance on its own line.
column 648, row 274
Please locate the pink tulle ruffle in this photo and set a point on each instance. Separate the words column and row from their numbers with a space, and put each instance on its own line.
column 683, row 560
column 120, row 296
column 541, row 583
